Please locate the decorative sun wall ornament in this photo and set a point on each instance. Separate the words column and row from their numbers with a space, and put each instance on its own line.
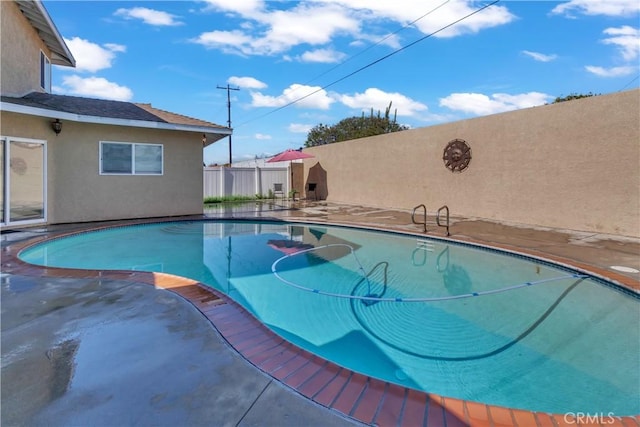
column 457, row 155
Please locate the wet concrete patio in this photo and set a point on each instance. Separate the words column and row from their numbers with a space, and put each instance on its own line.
column 110, row 350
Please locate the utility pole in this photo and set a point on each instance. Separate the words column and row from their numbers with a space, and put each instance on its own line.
column 229, row 112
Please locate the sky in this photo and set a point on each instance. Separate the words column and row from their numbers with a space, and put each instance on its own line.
column 292, row 65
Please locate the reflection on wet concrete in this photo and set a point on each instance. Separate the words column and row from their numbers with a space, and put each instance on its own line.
column 80, row 352
column 62, row 359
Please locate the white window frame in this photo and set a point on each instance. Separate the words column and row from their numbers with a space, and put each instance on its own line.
column 133, row 159
column 45, row 72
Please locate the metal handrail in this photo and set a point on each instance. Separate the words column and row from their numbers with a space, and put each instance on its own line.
column 413, row 216
column 445, row 208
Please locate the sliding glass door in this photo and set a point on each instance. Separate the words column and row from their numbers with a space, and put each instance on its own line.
column 23, row 179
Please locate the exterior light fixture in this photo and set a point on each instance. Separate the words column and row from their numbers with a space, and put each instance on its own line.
column 56, row 126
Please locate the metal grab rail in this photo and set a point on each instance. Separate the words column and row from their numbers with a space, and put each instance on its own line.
column 413, row 216
column 445, row 208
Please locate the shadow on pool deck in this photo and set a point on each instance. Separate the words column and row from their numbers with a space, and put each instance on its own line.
column 111, row 350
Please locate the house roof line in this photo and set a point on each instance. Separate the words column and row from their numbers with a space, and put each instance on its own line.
column 170, row 117
column 41, row 21
column 215, row 132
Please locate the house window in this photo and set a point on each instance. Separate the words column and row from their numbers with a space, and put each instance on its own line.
column 123, row 158
column 45, row 72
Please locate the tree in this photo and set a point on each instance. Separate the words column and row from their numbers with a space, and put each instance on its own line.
column 572, row 96
column 354, row 128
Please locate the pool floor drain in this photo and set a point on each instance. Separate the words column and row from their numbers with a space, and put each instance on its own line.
column 624, row 269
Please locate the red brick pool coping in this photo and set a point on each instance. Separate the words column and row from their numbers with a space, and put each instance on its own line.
column 357, row 396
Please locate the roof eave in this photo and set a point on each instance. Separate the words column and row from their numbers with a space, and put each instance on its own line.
column 213, row 138
column 40, row 20
column 212, row 134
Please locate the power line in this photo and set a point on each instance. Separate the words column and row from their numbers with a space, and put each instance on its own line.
column 374, row 62
column 228, row 88
column 404, row 27
column 629, row 84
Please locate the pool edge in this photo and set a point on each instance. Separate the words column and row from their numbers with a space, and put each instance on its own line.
column 362, row 398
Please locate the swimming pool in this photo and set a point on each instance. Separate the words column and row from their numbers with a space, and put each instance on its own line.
column 437, row 316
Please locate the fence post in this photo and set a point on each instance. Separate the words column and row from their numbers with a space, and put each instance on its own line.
column 222, row 182
column 258, row 181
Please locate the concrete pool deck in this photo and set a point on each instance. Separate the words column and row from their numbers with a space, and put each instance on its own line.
column 105, row 348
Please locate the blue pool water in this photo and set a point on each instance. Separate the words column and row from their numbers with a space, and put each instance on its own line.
column 441, row 317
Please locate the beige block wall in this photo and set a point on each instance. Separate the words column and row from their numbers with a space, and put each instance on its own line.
column 20, row 46
column 76, row 190
column 572, row 165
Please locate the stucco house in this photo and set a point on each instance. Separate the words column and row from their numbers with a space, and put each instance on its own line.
column 72, row 159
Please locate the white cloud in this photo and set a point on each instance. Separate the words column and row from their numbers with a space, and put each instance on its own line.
column 493, row 16
column 115, row 47
column 261, row 136
column 540, row 56
column 598, row 7
column 95, row 87
column 626, row 39
column 307, row 23
column 379, row 101
column 149, row 16
column 227, row 41
column 300, row 128
column 480, row 104
column 309, row 96
column 90, row 56
column 245, row 8
column 430, row 17
column 326, row 56
column 246, row 82
column 611, row 72
column 276, row 30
